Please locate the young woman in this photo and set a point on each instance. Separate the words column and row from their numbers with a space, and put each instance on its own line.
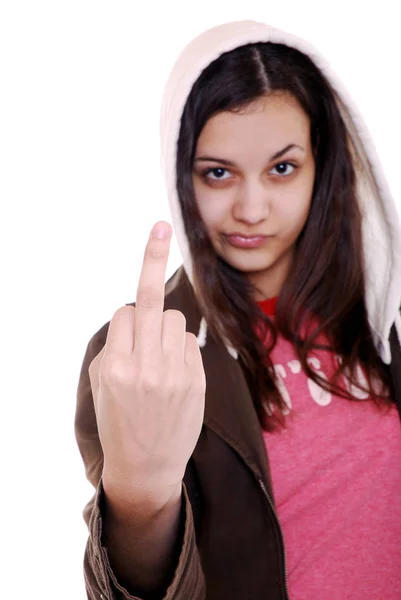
column 241, row 424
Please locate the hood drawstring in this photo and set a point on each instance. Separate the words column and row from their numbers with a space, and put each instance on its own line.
column 202, row 339
column 202, row 333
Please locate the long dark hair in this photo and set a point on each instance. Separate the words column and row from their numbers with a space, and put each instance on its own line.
column 330, row 243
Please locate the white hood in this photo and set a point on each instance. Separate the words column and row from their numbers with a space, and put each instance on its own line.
column 381, row 222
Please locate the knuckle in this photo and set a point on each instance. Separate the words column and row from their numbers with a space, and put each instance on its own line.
column 192, row 337
column 112, row 371
column 148, row 297
column 191, row 343
column 125, row 309
column 175, row 316
column 149, row 383
column 156, row 251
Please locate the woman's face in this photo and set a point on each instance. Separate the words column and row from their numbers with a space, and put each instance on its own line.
column 249, row 192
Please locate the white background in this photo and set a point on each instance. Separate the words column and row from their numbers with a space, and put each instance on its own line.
column 80, row 187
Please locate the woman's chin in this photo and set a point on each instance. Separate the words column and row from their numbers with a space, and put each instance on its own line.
column 248, row 264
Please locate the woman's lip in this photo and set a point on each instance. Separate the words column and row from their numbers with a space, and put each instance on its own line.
column 246, row 242
column 247, row 236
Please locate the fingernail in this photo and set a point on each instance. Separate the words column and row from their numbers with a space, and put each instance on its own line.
column 159, row 231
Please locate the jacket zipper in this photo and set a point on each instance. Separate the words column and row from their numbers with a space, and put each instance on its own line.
column 262, row 485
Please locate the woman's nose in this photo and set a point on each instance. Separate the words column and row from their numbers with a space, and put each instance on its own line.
column 252, row 204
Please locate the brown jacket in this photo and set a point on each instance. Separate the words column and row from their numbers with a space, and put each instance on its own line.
column 233, row 546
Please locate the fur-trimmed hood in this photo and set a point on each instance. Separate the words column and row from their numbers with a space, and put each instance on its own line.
column 381, row 221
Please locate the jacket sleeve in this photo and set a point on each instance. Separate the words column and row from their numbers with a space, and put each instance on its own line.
column 187, row 580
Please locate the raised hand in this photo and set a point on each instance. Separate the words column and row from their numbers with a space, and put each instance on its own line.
column 148, row 385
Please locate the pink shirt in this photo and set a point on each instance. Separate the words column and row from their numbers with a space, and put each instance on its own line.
column 336, row 477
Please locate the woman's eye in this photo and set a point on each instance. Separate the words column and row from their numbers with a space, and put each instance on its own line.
column 215, row 170
column 284, row 164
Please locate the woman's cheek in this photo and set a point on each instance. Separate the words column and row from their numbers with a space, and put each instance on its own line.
column 215, row 207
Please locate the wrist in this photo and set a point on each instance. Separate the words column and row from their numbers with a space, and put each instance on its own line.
column 139, row 497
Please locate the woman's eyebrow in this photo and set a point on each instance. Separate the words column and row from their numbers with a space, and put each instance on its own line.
column 229, row 163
